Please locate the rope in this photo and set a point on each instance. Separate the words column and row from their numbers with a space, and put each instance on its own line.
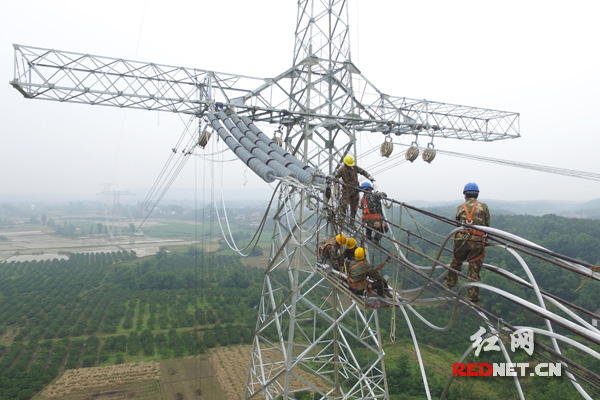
column 167, row 176
column 395, row 274
column 536, row 167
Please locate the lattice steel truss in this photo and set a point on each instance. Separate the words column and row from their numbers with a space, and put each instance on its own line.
column 305, row 324
column 309, row 331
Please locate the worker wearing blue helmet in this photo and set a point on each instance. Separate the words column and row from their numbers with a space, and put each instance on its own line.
column 371, row 212
column 469, row 243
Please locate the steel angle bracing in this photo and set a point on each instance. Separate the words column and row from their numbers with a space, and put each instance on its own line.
column 88, row 79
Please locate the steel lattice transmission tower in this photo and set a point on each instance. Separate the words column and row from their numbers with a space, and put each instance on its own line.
column 112, row 211
column 310, row 334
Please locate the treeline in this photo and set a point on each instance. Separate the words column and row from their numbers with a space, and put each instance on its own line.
column 110, row 308
column 575, row 238
column 571, row 237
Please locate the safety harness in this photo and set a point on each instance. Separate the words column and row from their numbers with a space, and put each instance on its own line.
column 367, row 213
column 471, row 231
column 357, row 285
column 469, row 220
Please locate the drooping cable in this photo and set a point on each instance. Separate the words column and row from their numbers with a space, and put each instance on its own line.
column 167, row 176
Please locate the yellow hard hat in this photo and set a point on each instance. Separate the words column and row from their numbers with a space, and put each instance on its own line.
column 351, row 243
column 341, row 239
column 359, row 253
column 349, row 160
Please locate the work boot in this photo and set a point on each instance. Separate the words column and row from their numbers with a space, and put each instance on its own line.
column 474, row 302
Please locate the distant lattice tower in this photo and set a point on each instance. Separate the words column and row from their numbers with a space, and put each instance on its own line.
column 112, row 213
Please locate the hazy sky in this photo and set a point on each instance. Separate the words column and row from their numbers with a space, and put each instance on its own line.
column 537, row 58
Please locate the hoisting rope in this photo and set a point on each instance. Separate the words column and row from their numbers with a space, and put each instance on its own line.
column 593, row 269
column 396, row 272
column 167, row 176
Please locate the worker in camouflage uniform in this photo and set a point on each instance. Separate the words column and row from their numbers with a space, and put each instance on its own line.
column 469, row 243
column 348, row 172
column 358, row 272
column 331, row 252
column 371, row 212
column 349, row 252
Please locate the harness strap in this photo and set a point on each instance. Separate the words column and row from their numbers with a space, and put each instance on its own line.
column 470, row 219
column 367, row 213
column 471, row 212
column 472, row 232
column 372, row 216
column 355, row 284
column 478, row 257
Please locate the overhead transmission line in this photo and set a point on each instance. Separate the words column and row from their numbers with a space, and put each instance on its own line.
column 536, row 167
column 173, row 166
column 397, row 159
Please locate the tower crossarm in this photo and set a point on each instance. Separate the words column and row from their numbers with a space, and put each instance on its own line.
column 338, row 95
column 83, row 78
column 403, row 115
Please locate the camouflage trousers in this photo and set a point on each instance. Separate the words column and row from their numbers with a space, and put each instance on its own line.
column 473, row 251
column 349, row 199
column 372, row 230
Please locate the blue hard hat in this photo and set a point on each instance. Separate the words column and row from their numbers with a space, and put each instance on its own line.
column 471, row 187
column 366, row 185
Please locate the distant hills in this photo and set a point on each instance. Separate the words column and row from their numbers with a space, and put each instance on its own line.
column 30, row 204
column 571, row 209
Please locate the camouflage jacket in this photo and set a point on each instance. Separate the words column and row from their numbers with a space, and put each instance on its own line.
column 359, row 270
column 473, row 212
column 332, row 250
column 371, row 203
column 350, row 177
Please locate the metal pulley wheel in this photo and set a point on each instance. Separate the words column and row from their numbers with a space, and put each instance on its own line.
column 386, row 147
column 412, row 153
column 204, row 137
column 429, row 153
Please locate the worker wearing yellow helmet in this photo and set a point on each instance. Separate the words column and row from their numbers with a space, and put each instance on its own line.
column 331, row 252
column 349, row 252
column 348, row 172
column 359, row 270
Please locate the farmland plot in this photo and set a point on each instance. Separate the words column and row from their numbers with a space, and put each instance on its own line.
column 125, row 381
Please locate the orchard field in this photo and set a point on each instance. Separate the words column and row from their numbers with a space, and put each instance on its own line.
column 100, row 309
